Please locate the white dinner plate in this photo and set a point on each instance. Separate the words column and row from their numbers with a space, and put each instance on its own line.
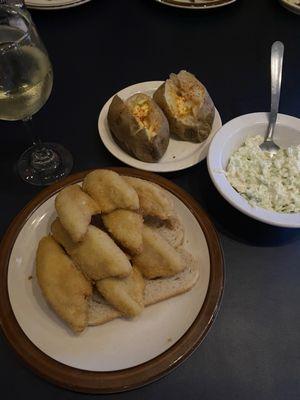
column 179, row 155
column 119, row 355
column 54, row 4
column 115, row 345
column 197, row 4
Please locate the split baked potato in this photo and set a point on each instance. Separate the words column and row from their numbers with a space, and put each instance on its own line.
column 187, row 106
column 139, row 127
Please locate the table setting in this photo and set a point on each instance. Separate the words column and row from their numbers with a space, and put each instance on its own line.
column 151, row 196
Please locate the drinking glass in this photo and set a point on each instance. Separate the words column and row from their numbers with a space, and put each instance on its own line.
column 26, row 79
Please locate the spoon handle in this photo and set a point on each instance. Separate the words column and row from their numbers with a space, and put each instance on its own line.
column 276, row 74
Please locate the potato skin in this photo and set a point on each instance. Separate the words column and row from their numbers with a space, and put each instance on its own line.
column 194, row 133
column 132, row 138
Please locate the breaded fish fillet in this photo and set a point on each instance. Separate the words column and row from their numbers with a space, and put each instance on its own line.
column 126, row 228
column 75, row 209
column 156, row 290
column 126, row 295
column 110, row 191
column 158, row 259
column 96, row 255
column 63, row 285
column 154, row 201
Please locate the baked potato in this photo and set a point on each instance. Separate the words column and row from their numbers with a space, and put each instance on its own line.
column 187, row 106
column 139, row 127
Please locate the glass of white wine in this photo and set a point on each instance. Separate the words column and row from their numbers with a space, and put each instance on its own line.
column 26, row 79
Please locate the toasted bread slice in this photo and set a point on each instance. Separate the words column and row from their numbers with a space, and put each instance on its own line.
column 155, row 291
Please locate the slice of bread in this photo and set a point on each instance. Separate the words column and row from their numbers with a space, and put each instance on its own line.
column 155, row 291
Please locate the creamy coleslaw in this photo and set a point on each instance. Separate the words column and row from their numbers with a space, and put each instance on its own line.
column 269, row 182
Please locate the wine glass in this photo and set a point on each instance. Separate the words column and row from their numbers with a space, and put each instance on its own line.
column 26, row 80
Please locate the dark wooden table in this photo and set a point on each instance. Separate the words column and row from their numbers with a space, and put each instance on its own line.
column 253, row 348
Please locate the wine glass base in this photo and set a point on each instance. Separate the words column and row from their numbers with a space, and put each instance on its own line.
column 44, row 163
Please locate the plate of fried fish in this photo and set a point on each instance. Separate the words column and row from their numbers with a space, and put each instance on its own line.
column 110, row 279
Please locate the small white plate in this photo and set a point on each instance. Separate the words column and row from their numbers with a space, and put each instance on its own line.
column 115, row 345
column 179, row 154
column 54, row 4
column 197, row 4
column 232, row 135
column 291, row 5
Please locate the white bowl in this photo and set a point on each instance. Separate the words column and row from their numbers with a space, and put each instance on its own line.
column 228, row 139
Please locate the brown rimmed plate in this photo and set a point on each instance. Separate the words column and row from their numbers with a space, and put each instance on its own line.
column 61, row 357
column 197, row 4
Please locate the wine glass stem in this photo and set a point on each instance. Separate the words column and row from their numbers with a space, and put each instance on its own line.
column 29, row 129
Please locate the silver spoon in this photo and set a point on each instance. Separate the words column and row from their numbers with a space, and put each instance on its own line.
column 276, row 74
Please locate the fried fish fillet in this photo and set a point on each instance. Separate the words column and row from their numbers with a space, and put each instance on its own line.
column 126, row 295
column 158, row 259
column 63, row 285
column 96, row 255
column 156, row 290
column 125, row 227
column 75, row 209
column 110, row 191
column 153, row 200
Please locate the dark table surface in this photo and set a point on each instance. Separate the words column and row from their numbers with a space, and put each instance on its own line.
column 253, row 349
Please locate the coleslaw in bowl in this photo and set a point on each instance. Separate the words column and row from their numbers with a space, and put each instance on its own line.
column 263, row 188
